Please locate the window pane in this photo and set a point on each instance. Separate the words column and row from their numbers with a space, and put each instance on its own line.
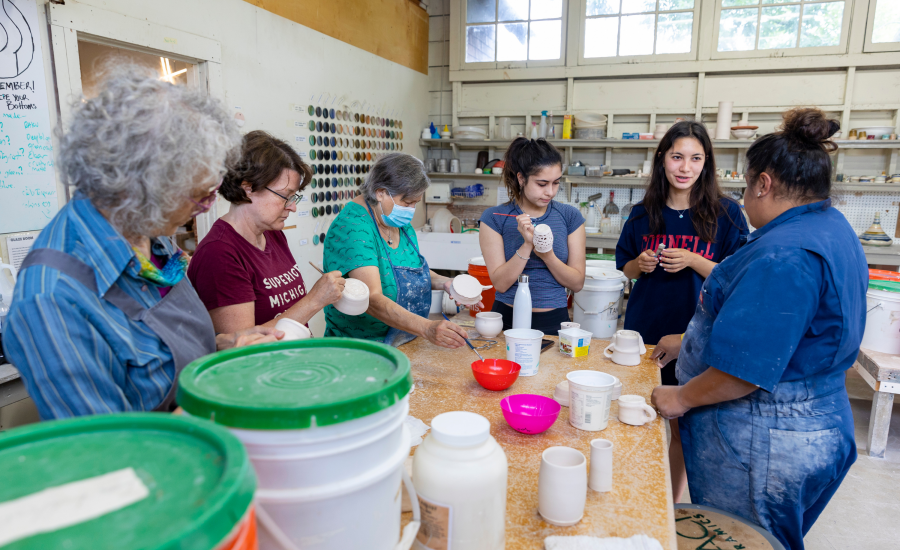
column 729, row 3
column 479, row 43
column 673, row 32
column 666, row 5
column 778, row 27
column 601, row 37
column 821, row 24
column 737, row 30
column 480, row 11
column 512, row 42
column 887, row 21
column 513, row 10
column 602, row 7
column 777, row 1
column 637, row 35
column 545, row 9
column 638, row 6
column 546, row 39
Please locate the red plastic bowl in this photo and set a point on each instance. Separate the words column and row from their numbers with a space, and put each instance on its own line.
column 528, row 413
column 495, row 374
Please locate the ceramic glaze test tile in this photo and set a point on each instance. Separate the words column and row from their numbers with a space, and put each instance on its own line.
column 641, row 499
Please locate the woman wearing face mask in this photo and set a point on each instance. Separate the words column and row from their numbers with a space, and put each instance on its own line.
column 684, row 210
column 372, row 240
column 531, row 173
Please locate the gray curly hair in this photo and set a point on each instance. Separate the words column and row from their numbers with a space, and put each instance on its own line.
column 142, row 147
column 399, row 173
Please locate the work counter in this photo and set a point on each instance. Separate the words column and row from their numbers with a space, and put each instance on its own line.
column 641, row 499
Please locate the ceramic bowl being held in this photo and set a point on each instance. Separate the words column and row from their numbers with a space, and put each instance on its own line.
column 495, row 374
column 528, row 413
column 489, row 324
column 292, row 330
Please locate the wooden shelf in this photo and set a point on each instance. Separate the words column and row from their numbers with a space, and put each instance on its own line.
column 448, row 176
column 644, row 143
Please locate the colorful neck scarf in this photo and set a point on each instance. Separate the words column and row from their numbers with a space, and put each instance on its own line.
column 170, row 275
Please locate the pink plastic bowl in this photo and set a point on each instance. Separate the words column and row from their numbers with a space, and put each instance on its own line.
column 529, row 414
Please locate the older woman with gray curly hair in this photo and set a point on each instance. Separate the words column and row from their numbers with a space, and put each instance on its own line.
column 372, row 240
column 103, row 318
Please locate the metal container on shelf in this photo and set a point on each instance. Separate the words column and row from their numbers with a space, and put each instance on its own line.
column 442, row 166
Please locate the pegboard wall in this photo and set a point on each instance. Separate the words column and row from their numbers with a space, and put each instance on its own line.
column 860, row 208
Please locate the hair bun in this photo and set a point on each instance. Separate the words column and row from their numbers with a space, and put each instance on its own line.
column 808, row 126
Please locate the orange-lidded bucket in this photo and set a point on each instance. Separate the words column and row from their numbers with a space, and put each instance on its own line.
column 478, row 269
column 883, row 275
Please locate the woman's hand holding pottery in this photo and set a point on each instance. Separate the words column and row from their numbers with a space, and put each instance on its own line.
column 667, row 400
column 526, row 228
column 674, row 260
column 328, row 289
column 647, row 261
column 445, row 334
column 667, row 350
column 248, row 337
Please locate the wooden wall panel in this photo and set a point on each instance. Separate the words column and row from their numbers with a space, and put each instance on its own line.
column 396, row 30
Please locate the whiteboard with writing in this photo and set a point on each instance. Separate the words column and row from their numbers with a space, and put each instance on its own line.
column 27, row 180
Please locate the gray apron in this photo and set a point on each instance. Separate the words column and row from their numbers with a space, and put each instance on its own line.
column 179, row 319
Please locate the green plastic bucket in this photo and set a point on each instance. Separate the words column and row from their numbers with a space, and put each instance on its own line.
column 323, row 423
column 125, row 481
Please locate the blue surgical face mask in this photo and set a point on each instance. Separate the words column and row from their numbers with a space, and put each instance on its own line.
column 400, row 216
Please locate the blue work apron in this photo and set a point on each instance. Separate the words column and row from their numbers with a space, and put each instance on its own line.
column 413, row 288
column 774, row 458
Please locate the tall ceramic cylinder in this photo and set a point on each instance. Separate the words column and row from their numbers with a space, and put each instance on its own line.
column 600, row 476
column 723, row 120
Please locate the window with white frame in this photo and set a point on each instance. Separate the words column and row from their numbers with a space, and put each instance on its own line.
column 883, row 30
column 747, row 25
column 513, row 30
column 623, row 28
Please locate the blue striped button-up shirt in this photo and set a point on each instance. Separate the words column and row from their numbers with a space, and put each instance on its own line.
column 78, row 353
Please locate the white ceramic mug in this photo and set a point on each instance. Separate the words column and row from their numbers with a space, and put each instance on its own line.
column 292, row 329
column 625, row 348
column 634, row 410
column 590, row 395
column 488, row 323
column 601, row 465
column 562, row 486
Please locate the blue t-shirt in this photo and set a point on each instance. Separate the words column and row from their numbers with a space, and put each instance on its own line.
column 546, row 292
column 790, row 305
column 663, row 303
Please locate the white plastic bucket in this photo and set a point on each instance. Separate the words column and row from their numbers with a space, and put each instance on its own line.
column 607, row 272
column 882, row 321
column 590, row 395
column 602, row 264
column 523, row 346
column 596, row 306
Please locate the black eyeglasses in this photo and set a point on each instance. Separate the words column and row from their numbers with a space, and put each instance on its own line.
column 293, row 199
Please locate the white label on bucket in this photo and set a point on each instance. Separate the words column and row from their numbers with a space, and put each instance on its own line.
column 437, row 522
column 76, row 502
column 589, row 410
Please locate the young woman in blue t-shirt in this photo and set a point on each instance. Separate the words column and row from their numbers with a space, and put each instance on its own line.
column 684, row 209
column 531, row 173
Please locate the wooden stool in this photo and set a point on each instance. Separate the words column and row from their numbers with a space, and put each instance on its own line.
column 882, row 372
column 703, row 527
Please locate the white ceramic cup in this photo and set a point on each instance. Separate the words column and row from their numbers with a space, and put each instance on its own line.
column 625, row 348
column 601, row 465
column 562, row 486
column 292, row 329
column 488, row 323
column 355, row 298
column 634, row 410
column 590, row 395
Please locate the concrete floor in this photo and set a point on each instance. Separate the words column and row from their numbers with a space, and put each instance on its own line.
column 865, row 511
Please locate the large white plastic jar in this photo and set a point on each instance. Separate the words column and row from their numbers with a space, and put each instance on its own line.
column 460, row 473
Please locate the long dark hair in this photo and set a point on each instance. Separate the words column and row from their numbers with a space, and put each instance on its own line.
column 706, row 197
column 527, row 157
column 797, row 156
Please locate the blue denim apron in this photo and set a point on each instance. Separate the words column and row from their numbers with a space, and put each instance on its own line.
column 774, row 458
column 413, row 288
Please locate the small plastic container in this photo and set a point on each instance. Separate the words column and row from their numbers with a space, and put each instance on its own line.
column 574, row 342
column 460, row 475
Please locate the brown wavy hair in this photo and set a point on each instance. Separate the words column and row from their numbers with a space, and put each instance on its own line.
column 263, row 158
column 527, row 157
column 706, row 197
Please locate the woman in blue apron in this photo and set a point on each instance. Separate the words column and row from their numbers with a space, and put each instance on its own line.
column 766, row 424
column 372, row 240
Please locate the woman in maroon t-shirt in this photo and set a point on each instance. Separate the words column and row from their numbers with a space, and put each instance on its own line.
column 243, row 270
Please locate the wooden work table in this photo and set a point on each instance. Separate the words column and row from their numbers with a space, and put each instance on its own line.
column 641, row 499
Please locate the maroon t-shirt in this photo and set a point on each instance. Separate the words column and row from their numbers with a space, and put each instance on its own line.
column 227, row 270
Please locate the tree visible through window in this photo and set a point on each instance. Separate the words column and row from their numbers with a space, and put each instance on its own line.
column 746, row 25
column 637, row 27
column 887, row 21
column 513, row 30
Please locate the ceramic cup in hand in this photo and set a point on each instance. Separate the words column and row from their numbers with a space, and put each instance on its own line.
column 634, row 410
column 292, row 329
